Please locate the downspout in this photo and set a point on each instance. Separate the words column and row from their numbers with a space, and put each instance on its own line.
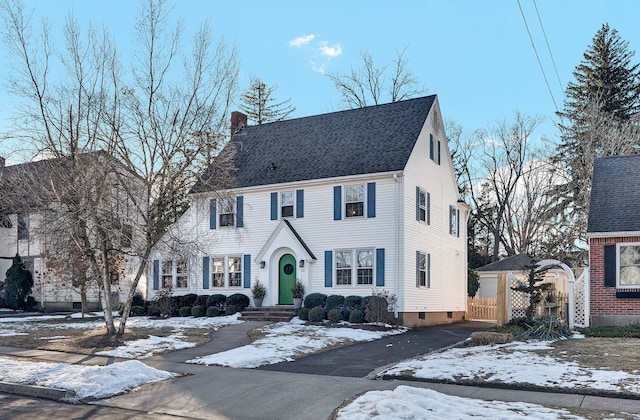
column 397, row 229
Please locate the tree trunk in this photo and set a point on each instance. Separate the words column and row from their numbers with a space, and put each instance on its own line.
column 132, row 291
column 83, row 299
column 105, row 280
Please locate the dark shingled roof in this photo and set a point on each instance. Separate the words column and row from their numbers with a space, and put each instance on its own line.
column 615, row 195
column 360, row 141
column 519, row 262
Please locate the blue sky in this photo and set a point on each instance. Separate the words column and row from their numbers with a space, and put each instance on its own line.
column 475, row 55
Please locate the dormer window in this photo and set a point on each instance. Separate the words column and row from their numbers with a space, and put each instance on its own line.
column 354, row 200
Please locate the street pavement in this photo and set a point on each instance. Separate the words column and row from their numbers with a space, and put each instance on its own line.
column 293, row 392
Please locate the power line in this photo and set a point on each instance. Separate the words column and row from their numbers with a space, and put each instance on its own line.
column 548, row 47
column 537, row 56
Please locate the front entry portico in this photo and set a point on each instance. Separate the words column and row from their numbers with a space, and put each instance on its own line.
column 286, row 279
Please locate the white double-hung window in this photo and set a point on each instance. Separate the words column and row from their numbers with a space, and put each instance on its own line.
column 629, row 265
column 354, row 200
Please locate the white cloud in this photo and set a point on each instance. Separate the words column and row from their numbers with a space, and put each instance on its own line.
column 301, row 40
column 331, row 51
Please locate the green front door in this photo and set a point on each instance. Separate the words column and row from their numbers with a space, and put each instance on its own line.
column 287, row 279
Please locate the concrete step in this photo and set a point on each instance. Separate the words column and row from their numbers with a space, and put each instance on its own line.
column 268, row 313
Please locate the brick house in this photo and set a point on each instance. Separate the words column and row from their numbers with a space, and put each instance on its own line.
column 613, row 234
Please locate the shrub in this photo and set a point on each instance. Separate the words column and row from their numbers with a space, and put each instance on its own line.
column 188, row 300
column 217, row 300
column 213, row 311
column 304, row 314
column 334, row 302
column 547, row 328
column 175, row 304
column 185, row 311
column 231, row 309
column 163, row 305
column 334, row 315
column 258, row 290
column 626, row 331
column 138, row 300
column 352, row 302
column 201, row 300
column 297, row 291
column 18, row 284
column 316, row 314
column 198, row 311
column 315, row 299
column 239, row 300
column 137, row 310
column 379, row 305
column 356, row 316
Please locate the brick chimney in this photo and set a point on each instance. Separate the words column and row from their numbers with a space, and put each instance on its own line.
column 238, row 122
column 2, row 162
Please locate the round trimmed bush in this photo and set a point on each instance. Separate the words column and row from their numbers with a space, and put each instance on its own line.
column 304, row 314
column 316, row 314
column 353, row 302
column 335, row 315
column 137, row 311
column 198, row 311
column 334, row 302
column 138, row 300
column 356, row 316
column 315, row 299
column 239, row 300
column 185, row 311
column 231, row 309
column 213, row 311
column 216, row 300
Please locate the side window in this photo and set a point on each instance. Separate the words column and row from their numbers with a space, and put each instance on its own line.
column 235, row 271
column 365, row 267
column 343, row 267
column 167, row 274
column 422, row 206
column 23, row 226
column 182, row 276
column 217, row 279
column 354, row 200
column 453, row 221
column 422, row 269
column 629, row 265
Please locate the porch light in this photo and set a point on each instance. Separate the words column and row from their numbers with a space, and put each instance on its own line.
column 262, row 264
column 301, row 264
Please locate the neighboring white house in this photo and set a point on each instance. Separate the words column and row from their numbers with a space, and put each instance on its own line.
column 345, row 202
column 25, row 230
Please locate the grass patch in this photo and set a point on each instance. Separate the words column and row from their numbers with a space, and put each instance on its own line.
column 512, row 329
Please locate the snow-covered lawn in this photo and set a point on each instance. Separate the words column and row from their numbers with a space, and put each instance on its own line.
column 284, row 341
column 407, row 402
column 83, row 381
column 516, row 362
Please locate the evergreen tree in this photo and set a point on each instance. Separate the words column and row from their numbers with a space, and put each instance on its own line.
column 18, row 284
column 261, row 107
column 599, row 118
column 533, row 287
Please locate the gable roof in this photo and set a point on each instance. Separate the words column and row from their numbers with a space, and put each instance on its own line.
column 615, row 194
column 359, row 141
column 518, row 262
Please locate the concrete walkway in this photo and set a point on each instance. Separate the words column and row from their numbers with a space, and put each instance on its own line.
column 210, row 392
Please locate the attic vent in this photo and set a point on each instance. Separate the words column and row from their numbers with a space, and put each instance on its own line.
column 436, row 120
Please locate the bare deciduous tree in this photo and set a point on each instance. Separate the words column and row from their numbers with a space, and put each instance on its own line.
column 372, row 85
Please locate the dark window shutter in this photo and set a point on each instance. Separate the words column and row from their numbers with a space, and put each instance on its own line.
column 609, row 266
column 371, row 199
column 205, row 272
column 438, row 152
column 428, row 208
column 431, row 146
column 240, row 211
column 337, row 202
column 247, row 271
column 417, row 203
column 451, row 213
column 274, row 206
column 458, row 222
column 428, row 270
column 417, row 268
column 328, row 268
column 299, row 204
column 380, row 267
column 156, row 274
column 213, row 209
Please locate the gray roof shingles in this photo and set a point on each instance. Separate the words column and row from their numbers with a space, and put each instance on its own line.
column 615, row 195
column 359, row 141
column 518, row 262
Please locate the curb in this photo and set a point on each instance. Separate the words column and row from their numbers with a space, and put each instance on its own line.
column 36, row 391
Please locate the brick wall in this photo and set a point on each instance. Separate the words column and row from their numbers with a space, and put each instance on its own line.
column 603, row 299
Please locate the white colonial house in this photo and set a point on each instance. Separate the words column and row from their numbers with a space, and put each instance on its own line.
column 345, row 202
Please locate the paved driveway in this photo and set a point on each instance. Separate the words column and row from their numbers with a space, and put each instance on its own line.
column 361, row 359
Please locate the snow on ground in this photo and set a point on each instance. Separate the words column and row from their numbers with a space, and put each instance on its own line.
column 84, row 381
column 147, row 347
column 516, row 362
column 284, row 341
column 407, row 402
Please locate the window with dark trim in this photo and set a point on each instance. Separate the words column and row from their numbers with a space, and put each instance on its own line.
column 422, row 269
column 23, row 226
column 628, row 270
column 422, row 205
